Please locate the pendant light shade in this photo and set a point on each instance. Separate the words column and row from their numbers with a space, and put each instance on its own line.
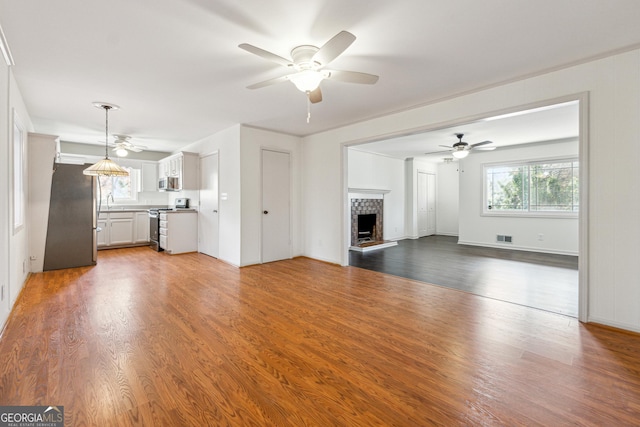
column 106, row 166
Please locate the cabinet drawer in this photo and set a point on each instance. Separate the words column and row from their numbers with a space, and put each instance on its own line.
column 163, row 224
column 162, row 231
column 163, row 242
column 163, row 216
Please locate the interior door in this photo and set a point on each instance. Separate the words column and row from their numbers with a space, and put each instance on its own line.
column 431, row 204
column 276, row 206
column 208, row 233
column 426, row 204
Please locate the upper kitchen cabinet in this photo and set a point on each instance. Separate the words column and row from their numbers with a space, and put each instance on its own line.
column 149, row 180
column 182, row 165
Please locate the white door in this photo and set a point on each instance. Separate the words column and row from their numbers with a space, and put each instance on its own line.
column 426, row 204
column 431, row 204
column 208, row 237
column 276, row 206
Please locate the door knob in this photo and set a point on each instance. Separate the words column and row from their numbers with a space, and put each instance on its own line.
column 215, row 211
column 265, row 212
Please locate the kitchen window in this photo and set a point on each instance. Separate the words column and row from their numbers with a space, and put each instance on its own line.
column 120, row 188
column 540, row 188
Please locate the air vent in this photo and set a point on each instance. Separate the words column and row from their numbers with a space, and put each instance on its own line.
column 501, row 238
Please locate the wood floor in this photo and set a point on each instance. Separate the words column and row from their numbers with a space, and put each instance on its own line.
column 544, row 281
column 146, row 338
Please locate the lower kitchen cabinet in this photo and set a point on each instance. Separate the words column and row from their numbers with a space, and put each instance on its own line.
column 120, row 229
column 141, row 231
column 179, row 231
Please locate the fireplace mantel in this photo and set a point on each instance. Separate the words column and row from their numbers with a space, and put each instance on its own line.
column 368, row 191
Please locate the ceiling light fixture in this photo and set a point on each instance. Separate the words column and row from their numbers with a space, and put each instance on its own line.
column 106, row 166
column 121, row 152
column 307, row 81
column 460, row 154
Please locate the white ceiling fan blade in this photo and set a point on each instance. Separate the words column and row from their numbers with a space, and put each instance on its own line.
column 266, row 54
column 269, row 82
column 446, row 146
column 334, row 47
column 484, row 148
column 137, row 148
column 437, row 152
column 478, row 144
column 352, row 77
column 315, row 96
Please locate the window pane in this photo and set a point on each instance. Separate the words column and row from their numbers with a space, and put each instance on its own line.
column 552, row 187
column 507, row 188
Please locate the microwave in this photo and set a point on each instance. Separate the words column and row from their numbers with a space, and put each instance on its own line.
column 169, row 183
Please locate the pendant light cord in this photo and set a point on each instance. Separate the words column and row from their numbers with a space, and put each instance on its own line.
column 106, row 131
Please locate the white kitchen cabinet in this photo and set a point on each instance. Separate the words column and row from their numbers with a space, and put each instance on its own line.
column 182, row 165
column 149, row 179
column 120, row 229
column 141, row 231
column 180, row 231
column 102, row 235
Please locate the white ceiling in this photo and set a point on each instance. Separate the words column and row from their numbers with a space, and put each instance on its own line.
column 541, row 124
column 175, row 69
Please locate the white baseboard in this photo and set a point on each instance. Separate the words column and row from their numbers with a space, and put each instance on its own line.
column 517, row 248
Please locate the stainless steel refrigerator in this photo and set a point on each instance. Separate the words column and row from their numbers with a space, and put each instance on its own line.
column 72, row 225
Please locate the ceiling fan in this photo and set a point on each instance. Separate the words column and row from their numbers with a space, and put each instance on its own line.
column 122, row 145
column 306, row 68
column 461, row 149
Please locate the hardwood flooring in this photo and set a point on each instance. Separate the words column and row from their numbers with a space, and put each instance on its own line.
column 146, row 338
column 544, row 281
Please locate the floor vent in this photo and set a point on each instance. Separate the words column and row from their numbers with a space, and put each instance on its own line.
column 500, row 238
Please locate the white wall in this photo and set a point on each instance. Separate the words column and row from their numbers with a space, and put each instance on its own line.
column 560, row 235
column 614, row 202
column 447, row 206
column 5, row 185
column 227, row 144
column 42, row 151
column 252, row 142
column 375, row 172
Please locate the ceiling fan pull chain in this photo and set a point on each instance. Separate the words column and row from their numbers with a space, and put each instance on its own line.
column 308, row 109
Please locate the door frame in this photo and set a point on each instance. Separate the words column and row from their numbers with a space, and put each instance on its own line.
column 583, row 158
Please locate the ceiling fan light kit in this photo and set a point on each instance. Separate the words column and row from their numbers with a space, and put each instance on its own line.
column 460, row 154
column 461, row 149
column 308, row 64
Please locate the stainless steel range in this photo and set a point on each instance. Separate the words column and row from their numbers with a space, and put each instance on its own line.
column 154, row 228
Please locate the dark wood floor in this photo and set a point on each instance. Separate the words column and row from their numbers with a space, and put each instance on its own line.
column 146, row 338
column 543, row 281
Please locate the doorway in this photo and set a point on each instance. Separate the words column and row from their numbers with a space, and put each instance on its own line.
column 515, row 116
column 208, row 215
column 276, row 205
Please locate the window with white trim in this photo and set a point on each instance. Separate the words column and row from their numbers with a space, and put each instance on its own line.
column 540, row 188
column 120, row 188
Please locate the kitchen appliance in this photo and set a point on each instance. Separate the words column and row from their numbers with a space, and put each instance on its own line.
column 182, row 203
column 154, row 228
column 169, row 183
column 72, row 224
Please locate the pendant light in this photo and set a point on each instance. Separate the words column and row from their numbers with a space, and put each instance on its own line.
column 106, row 166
